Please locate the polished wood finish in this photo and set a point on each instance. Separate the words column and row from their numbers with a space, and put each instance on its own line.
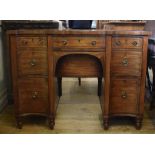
column 33, row 95
column 29, row 74
column 106, row 85
column 32, row 62
column 142, row 85
column 126, row 63
column 126, row 42
column 69, row 66
column 31, row 42
column 78, row 42
column 116, row 58
column 124, row 96
column 20, row 24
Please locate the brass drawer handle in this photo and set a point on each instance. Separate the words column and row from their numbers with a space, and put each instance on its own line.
column 117, row 43
column 134, row 43
column 93, row 43
column 34, row 95
column 124, row 94
column 24, row 42
column 33, row 62
column 64, row 42
column 125, row 61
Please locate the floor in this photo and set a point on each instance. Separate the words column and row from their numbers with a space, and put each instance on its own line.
column 79, row 111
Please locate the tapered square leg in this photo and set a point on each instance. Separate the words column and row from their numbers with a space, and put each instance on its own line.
column 138, row 122
column 51, row 121
column 99, row 86
column 59, row 81
column 19, row 122
column 106, row 123
column 79, row 81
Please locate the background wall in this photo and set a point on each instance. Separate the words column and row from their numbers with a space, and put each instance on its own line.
column 3, row 90
column 150, row 26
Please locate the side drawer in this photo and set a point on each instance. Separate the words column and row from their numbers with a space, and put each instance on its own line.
column 28, row 41
column 78, row 42
column 124, row 96
column 33, row 95
column 32, row 62
column 126, row 63
column 127, row 42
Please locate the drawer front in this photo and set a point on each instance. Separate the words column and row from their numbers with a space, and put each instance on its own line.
column 126, row 42
column 31, row 62
column 78, row 42
column 32, row 42
column 124, row 96
column 33, row 95
column 127, row 63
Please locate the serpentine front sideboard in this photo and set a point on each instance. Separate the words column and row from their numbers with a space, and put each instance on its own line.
column 40, row 58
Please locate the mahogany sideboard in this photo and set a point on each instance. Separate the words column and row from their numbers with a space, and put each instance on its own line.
column 40, row 58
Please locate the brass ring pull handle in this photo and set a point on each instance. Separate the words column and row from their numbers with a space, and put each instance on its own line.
column 24, row 42
column 124, row 94
column 93, row 43
column 125, row 61
column 117, row 43
column 64, row 42
column 34, row 95
column 79, row 40
column 134, row 43
column 33, row 62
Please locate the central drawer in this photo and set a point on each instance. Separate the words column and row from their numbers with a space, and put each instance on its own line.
column 78, row 42
column 33, row 95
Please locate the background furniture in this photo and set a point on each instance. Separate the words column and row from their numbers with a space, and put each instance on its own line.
column 39, row 57
column 151, row 65
column 121, row 24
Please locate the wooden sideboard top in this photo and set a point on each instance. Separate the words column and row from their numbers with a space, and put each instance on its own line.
column 76, row 31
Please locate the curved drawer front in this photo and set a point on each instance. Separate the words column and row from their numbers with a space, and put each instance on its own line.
column 78, row 42
column 124, row 96
column 126, row 42
column 32, row 41
column 126, row 63
column 33, row 95
column 32, row 62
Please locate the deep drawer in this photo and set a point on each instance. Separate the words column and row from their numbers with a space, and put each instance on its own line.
column 33, row 95
column 124, row 96
column 126, row 42
column 32, row 62
column 78, row 42
column 126, row 63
